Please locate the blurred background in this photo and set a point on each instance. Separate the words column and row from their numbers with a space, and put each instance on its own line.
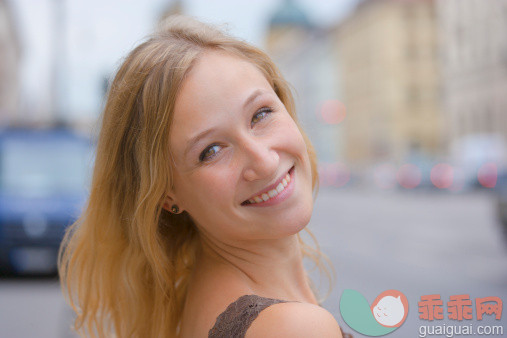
column 404, row 100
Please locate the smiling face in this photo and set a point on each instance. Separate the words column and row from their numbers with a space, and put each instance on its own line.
column 241, row 167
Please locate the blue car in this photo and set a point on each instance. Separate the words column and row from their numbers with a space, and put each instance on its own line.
column 44, row 176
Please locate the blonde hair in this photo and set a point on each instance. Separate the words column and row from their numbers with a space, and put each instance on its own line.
column 125, row 264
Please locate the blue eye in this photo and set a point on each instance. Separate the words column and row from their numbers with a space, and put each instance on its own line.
column 260, row 115
column 209, row 152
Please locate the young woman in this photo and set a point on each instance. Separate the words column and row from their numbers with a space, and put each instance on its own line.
column 203, row 180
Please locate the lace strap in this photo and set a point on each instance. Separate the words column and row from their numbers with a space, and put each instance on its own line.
column 239, row 315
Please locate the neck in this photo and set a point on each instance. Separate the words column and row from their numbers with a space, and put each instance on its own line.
column 271, row 268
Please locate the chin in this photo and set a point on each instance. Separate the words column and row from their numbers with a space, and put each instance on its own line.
column 297, row 221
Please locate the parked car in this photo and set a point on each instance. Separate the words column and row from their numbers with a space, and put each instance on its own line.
column 43, row 185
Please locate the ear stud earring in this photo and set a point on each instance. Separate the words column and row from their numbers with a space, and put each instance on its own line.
column 175, row 209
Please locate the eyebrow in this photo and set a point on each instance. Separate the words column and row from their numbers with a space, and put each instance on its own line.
column 253, row 96
column 198, row 137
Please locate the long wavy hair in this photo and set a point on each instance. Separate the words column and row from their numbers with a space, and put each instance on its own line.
column 125, row 263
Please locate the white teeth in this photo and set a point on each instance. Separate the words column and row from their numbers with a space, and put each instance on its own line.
column 279, row 187
column 272, row 193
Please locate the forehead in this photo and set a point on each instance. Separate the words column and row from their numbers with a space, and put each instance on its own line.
column 215, row 87
column 216, row 77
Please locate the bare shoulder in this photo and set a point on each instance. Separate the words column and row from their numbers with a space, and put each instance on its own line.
column 294, row 320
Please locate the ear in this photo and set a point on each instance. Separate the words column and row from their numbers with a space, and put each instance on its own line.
column 169, row 201
column 167, row 204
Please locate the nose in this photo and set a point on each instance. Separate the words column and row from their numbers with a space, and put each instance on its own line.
column 261, row 160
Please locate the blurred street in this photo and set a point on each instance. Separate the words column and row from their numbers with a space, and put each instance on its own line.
column 33, row 308
column 417, row 242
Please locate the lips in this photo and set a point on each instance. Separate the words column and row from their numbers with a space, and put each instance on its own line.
column 272, row 190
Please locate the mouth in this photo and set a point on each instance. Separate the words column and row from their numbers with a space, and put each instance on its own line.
column 274, row 192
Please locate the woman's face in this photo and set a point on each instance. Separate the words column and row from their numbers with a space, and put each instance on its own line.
column 242, row 169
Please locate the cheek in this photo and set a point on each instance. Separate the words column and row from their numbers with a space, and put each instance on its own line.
column 215, row 185
column 290, row 135
column 299, row 148
column 206, row 189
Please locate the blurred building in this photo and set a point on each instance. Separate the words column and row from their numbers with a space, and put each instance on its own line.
column 473, row 51
column 388, row 52
column 304, row 53
column 9, row 66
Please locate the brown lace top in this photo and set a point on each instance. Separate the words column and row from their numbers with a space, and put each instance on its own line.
column 239, row 315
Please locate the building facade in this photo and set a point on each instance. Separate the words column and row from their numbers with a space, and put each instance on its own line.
column 390, row 79
column 473, row 55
